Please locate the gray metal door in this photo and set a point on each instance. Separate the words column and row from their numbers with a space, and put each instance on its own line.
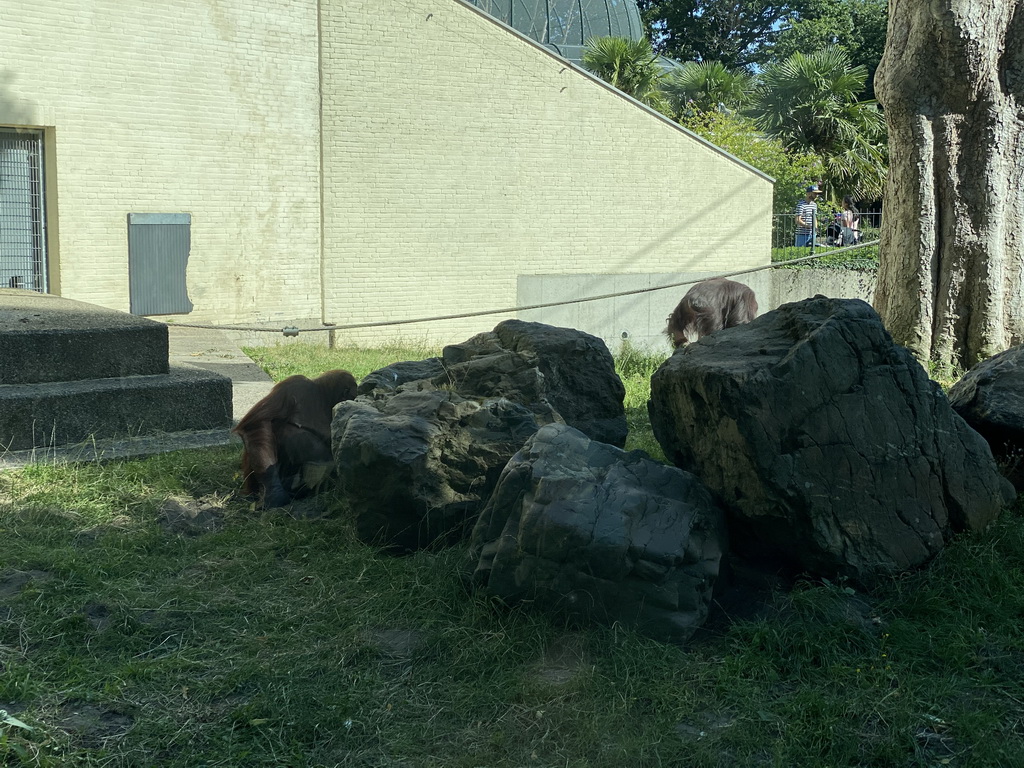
column 158, row 246
column 22, row 213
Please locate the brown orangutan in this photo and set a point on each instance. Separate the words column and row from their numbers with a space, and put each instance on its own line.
column 289, row 431
column 710, row 306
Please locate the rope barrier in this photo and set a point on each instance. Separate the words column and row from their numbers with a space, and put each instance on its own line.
column 293, row 331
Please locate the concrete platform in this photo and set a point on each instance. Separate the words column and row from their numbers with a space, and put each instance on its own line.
column 63, row 413
column 48, row 338
column 131, row 403
column 213, row 350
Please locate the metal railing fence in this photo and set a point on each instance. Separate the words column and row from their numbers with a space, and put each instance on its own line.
column 827, row 235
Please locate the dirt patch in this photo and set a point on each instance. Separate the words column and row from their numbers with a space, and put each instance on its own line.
column 91, row 726
column 397, row 643
column 934, row 744
column 98, row 616
column 13, row 582
column 309, row 508
column 10, row 707
column 563, row 659
column 702, row 725
column 192, row 517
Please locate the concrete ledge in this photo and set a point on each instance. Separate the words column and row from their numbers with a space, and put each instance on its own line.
column 46, row 338
column 34, row 416
column 123, row 448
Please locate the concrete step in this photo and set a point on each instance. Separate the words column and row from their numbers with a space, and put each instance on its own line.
column 73, row 373
column 109, row 448
column 43, row 415
column 45, row 338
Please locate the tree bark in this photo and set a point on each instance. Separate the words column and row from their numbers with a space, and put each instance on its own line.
column 951, row 269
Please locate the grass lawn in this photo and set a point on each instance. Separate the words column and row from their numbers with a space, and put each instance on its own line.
column 132, row 635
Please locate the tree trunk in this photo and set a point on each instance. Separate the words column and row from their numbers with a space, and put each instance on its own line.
column 952, row 250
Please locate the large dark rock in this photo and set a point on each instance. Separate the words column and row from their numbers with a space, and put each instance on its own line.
column 536, row 365
column 421, row 449
column 990, row 397
column 391, row 377
column 588, row 531
column 827, row 443
column 417, row 465
column 579, row 376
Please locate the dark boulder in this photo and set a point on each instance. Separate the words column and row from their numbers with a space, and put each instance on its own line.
column 579, row 376
column 391, row 377
column 990, row 397
column 533, row 364
column 417, row 465
column 826, row 442
column 593, row 533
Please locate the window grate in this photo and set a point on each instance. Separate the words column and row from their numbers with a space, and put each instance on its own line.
column 22, row 213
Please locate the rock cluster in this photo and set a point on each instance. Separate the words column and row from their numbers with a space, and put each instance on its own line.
column 806, row 437
column 421, row 448
column 417, row 465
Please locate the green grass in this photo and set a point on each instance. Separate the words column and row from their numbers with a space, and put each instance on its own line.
column 865, row 258
column 310, row 359
column 272, row 641
column 635, row 367
column 861, row 258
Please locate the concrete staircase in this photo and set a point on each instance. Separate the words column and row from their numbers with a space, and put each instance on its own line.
column 74, row 374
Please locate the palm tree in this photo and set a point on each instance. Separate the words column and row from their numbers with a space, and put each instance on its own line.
column 809, row 102
column 629, row 65
column 706, row 86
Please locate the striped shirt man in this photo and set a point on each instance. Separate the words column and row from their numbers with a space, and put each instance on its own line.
column 806, row 216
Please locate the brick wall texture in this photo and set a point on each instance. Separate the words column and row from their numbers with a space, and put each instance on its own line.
column 353, row 161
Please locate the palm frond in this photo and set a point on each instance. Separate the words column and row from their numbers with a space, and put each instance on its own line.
column 629, row 65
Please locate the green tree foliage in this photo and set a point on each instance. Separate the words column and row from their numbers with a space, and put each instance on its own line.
column 707, row 85
column 739, row 136
column 809, row 103
column 730, row 31
column 855, row 26
column 629, row 65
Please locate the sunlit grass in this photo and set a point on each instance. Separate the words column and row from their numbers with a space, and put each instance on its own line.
column 860, row 258
column 635, row 367
column 310, row 360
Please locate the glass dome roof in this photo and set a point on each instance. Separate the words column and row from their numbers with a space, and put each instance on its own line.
column 565, row 25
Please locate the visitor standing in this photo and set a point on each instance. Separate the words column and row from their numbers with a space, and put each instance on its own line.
column 807, row 217
column 850, row 220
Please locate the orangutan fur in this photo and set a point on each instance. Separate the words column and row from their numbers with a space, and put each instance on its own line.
column 288, row 431
column 710, row 306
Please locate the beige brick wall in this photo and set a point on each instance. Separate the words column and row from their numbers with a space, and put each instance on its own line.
column 458, row 157
column 208, row 107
